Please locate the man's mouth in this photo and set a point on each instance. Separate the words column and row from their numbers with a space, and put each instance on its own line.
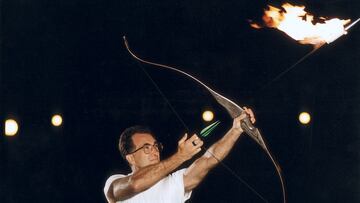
column 154, row 159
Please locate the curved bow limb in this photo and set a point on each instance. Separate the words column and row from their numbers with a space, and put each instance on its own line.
column 232, row 108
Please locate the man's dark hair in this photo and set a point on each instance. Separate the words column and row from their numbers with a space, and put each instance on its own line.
column 126, row 144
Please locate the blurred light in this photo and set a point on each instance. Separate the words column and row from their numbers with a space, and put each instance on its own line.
column 304, row 117
column 208, row 115
column 11, row 127
column 56, row 120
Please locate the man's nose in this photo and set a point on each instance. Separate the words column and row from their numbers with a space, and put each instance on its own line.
column 154, row 149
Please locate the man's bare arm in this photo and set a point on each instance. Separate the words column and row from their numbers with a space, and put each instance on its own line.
column 146, row 177
column 200, row 168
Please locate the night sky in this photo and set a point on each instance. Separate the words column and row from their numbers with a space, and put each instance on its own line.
column 68, row 57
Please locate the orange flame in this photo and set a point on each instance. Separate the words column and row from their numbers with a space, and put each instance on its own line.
column 298, row 24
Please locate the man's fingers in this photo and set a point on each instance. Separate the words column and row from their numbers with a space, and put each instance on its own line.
column 251, row 114
column 242, row 116
column 196, row 151
column 195, row 142
column 182, row 140
column 192, row 138
column 199, row 143
column 253, row 120
column 252, row 117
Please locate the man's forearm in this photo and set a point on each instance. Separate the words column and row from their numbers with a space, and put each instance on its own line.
column 148, row 176
column 219, row 150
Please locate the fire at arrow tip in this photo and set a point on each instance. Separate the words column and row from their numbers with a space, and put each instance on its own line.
column 300, row 25
column 352, row 24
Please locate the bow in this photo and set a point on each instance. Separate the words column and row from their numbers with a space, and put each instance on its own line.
column 232, row 108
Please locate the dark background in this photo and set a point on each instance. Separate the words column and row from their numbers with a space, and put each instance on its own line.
column 68, row 57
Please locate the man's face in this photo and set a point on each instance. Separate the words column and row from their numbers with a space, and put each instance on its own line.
column 140, row 159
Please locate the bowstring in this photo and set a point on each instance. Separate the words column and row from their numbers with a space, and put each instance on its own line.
column 164, row 97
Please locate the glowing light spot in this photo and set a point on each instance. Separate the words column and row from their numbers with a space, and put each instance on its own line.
column 56, row 120
column 304, row 117
column 11, row 127
column 208, row 115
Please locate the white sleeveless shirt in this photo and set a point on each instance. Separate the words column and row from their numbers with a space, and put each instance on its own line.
column 168, row 190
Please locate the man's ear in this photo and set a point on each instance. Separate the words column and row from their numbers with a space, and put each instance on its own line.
column 130, row 159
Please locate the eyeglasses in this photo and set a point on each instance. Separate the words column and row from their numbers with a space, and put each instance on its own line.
column 148, row 148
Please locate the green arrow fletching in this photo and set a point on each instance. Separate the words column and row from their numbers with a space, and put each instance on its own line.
column 208, row 129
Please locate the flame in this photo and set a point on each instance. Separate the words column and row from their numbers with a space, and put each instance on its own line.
column 298, row 24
